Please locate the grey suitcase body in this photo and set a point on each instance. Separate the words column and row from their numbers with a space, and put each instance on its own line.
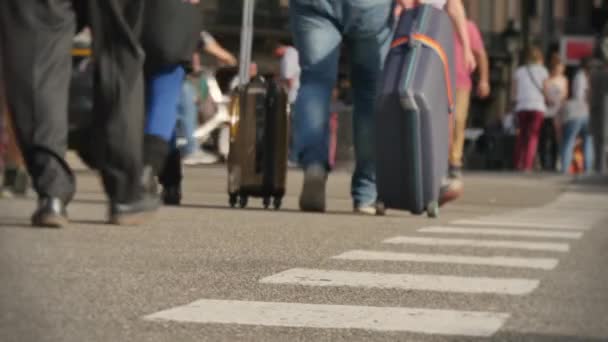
column 413, row 113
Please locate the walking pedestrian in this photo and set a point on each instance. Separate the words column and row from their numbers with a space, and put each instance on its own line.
column 529, row 89
column 464, row 85
column 319, row 28
column 36, row 44
column 574, row 120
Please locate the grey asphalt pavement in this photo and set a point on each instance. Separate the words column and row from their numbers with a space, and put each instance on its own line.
column 97, row 282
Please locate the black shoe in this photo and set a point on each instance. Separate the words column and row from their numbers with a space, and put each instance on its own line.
column 51, row 213
column 135, row 213
column 172, row 195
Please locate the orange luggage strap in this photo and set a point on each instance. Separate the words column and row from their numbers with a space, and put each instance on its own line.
column 436, row 47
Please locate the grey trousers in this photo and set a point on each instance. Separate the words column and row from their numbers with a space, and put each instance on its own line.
column 36, row 41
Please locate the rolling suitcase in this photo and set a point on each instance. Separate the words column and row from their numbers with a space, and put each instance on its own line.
column 257, row 163
column 414, row 112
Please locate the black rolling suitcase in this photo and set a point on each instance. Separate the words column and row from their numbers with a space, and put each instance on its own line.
column 414, row 112
column 257, row 163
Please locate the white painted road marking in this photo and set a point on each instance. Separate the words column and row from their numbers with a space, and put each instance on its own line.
column 503, row 232
column 426, row 321
column 422, row 282
column 538, row 263
column 533, row 246
column 522, row 224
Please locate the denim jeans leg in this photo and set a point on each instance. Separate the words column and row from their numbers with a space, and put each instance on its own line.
column 367, row 53
column 318, row 42
column 588, row 147
column 187, row 116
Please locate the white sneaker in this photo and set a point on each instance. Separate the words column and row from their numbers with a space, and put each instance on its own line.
column 200, row 158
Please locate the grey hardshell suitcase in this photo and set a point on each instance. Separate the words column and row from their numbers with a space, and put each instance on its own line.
column 414, row 110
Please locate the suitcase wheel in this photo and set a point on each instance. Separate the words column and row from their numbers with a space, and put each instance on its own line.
column 266, row 202
column 243, row 201
column 432, row 210
column 277, row 202
column 234, row 198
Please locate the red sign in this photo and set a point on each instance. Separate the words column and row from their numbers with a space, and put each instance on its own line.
column 575, row 48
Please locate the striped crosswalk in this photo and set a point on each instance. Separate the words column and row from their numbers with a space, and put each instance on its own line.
column 442, row 322
column 504, row 261
column 478, row 243
column 533, row 241
column 503, row 232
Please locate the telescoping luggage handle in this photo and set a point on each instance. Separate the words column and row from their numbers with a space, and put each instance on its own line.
column 436, row 47
column 246, row 41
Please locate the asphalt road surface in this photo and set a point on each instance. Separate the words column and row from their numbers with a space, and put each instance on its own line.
column 519, row 258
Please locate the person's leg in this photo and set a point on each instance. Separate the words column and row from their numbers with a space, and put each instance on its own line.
column 588, row 149
column 569, row 134
column 520, row 144
column 318, row 42
column 171, row 178
column 187, row 115
column 119, row 107
column 368, row 40
column 536, row 122
column 544, row 144
column 16, row 178
column 37, row 38
column 163, row 88
column 463, row 99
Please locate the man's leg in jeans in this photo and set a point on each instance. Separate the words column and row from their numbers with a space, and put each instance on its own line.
column 318, row 42
column 37, row 38
column 368, row 45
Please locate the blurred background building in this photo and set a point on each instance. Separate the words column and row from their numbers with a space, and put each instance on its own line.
column 564, row 26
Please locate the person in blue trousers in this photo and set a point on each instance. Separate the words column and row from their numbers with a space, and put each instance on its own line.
column 574, row 119
column 162, row 160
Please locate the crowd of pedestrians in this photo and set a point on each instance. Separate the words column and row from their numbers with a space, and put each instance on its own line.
column 145, row 101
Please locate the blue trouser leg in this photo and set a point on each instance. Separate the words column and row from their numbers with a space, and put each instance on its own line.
column 163, row 90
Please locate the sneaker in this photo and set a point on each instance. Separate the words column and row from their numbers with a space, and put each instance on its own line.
column 375, row 209
column 200, row 158
column 312, row 198
column 451, row 189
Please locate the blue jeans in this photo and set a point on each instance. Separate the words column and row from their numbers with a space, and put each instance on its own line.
column 319, row 28
column 571, row 130
column 162, row 96
column 187, row 118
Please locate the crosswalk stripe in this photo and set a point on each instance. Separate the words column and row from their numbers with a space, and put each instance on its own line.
column 422, row 282
column 537, row 263
column 502, row 232
column 522, row 224
column 534, row 246
column 323, row 316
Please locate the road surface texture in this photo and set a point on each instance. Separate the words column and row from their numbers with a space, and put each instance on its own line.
column 519, row 258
